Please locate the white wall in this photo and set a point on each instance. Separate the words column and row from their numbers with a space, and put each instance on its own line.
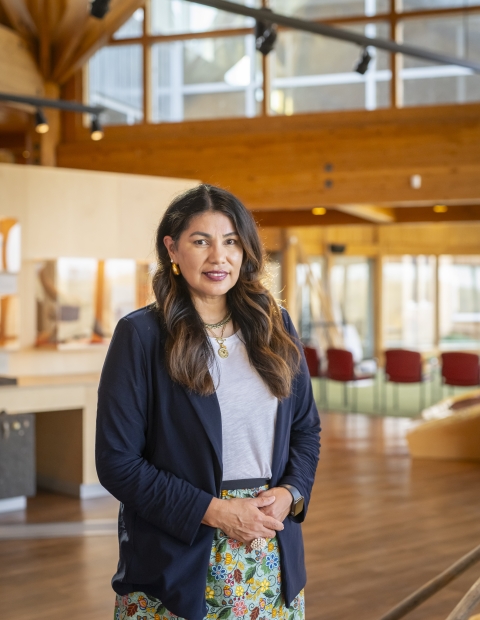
column 79, row 213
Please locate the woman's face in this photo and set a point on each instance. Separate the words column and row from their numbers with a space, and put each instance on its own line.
column 209, row 254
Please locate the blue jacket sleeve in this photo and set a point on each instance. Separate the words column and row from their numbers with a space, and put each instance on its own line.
column 305, row 431
column 172, row 504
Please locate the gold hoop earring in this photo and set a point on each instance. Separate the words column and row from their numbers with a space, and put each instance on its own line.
column 175, row 269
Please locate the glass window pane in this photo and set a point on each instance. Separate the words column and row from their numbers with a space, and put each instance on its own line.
column 418, row 5
column 312, row 73
column 351, row 286
column 132, row 28
column 206, row 78
column 225, row 105
column 459, row 282
column 175, row 16
column 317, row 9
column 452, row 35
column 426, row 82
column 218, row 60
column 116, row 83
column 441, row 90
column 313, row 329
column 408, row 302
column 318, row 98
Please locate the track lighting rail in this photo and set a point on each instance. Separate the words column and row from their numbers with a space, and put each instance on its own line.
column 41, row 123
column 325, row 30
column 59, row 104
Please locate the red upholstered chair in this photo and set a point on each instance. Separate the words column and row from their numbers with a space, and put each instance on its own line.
column 460, row 369
column 402, row 366
column 314, row 366
column 342, row 368
column 313, row 361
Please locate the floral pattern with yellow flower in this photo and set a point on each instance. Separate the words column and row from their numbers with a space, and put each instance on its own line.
column 242, row 584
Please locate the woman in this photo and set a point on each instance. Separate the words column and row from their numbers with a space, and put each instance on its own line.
column 207, row 431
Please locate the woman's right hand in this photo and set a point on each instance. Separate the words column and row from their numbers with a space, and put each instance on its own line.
column 242, row 519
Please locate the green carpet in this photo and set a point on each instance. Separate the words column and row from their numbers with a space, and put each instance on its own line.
column 380, row 398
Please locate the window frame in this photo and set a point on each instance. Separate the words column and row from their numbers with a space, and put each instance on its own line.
column 395, row 18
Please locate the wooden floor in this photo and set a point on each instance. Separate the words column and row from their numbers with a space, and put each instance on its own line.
column 379, row 526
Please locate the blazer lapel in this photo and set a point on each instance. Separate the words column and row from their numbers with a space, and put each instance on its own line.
column 208, row 410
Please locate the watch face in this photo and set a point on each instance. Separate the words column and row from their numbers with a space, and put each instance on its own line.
column 298, row 507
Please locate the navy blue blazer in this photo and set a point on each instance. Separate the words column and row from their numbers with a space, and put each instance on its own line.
column 159, row 452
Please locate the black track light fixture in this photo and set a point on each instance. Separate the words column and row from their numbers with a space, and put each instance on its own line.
column 363, row 62
column 41, row 123
column 99, row 8
column 96, row 131
column 265, row 36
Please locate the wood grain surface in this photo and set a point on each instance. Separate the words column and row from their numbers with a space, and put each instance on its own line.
column 379, row 526
column 304, row 160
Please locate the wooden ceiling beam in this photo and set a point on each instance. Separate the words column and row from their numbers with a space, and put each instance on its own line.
column 371, row 213
column 44, row 57
column 20, row 18
column 69, row 33
column 305, row 160
column 336, row 216
column 332, row 217
column 98, row 33
column 56, row 12
column 463, row 213
column 47, row 15
column 3, row 16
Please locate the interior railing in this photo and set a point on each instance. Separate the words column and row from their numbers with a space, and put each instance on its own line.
column 468, row 603
column 462, row 610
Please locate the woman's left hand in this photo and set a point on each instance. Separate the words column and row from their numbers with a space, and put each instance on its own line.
column 281, row 506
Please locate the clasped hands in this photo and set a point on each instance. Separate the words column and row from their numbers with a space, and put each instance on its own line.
column 250, row 518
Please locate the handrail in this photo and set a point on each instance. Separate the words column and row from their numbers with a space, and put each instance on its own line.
column 468, row 603
column 431, row 587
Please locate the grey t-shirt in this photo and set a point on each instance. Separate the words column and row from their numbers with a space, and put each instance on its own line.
column 249, row 413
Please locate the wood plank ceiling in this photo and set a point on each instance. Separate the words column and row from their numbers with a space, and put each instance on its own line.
column 42, row 44
column 61, row 33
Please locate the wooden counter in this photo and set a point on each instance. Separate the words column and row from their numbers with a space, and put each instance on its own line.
column 65, row 408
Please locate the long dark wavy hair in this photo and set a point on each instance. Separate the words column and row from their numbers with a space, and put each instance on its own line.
column 255, row 312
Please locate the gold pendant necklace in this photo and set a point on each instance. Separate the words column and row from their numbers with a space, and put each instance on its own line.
column 222, row 350
column 220, row 323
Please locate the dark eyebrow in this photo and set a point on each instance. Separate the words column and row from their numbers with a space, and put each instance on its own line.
column 203, row 234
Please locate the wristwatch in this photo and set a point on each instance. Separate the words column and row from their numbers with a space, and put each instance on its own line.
column 297, row 501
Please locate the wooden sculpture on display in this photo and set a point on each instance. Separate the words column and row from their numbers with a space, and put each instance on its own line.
column 450, row 430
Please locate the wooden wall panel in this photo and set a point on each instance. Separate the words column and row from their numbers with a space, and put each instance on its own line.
column 448, row 238
column 381, row 240
column 19, row 73
column 305, row 160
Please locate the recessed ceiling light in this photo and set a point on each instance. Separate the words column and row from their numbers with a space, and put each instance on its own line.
column 440, row 208
column 319, row 211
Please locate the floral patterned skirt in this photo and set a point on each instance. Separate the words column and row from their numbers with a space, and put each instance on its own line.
column 241, row 583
